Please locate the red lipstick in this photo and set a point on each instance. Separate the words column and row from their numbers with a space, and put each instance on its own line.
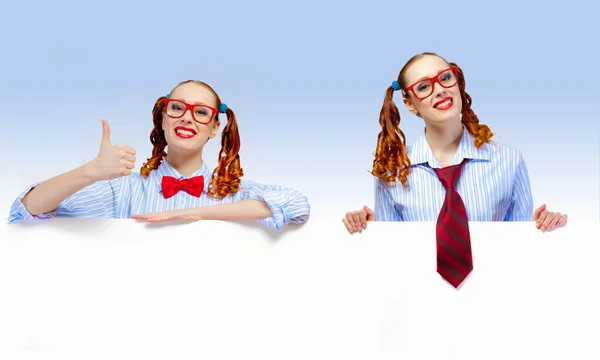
column 444, row 104
column 184, row 132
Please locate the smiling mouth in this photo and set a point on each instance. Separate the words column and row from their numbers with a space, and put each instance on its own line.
column 444, row 104
column 184, row 133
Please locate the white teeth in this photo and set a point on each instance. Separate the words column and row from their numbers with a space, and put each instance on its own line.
column 184, row 132
column 445, row 103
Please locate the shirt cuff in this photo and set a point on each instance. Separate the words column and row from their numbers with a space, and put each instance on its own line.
column 19, row 212
column 280, row 217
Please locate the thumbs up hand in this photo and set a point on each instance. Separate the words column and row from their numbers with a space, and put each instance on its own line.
column 112, row 161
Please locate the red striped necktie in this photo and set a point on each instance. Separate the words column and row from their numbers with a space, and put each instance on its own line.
column 454, row 257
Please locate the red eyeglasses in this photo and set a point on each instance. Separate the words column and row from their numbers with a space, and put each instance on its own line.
column 202, row 114
column 422, row 89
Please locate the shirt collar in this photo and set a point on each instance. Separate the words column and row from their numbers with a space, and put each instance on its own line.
column 420, row 152
column 165, row 169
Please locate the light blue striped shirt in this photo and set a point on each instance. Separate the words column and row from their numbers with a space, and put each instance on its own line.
column 125, row 196
column 494, row 185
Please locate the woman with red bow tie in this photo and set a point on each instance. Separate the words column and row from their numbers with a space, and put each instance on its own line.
column 177, row 185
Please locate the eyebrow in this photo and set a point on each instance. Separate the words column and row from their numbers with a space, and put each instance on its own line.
column 196, row 103
column 429, row 77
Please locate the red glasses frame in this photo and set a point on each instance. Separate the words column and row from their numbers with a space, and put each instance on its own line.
column 191, row 108
column 433, row 80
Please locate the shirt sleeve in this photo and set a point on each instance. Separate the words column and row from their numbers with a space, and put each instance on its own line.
column 385, row 209
column 287, row 205
column 98, row 201
column 521, row 208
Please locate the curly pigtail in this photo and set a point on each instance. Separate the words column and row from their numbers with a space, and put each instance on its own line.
column 481, row 132
column 391, row 161
column 227, row 175
column 157, row 138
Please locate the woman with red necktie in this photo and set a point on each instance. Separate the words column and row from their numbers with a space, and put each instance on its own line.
column 453, row 173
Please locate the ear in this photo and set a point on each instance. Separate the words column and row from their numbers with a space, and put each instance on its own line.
column 409, row 105
column 214, row 130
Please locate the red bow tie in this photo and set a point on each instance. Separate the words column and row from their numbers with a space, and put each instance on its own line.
column 193, row 186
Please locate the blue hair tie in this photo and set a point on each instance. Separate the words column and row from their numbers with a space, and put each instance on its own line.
column 223, row 108
column 395, row 85
column 167, row 96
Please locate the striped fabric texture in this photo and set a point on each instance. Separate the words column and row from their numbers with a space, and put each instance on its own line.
column 494, row 185
column 122, row 197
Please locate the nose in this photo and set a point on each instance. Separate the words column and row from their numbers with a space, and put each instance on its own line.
column 438, row 89
column 187, row 116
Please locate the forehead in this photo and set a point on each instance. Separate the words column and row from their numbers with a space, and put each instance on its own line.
column 425, row 67
column 194, row 93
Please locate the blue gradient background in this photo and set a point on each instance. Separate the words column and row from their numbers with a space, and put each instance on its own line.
column 306, row 80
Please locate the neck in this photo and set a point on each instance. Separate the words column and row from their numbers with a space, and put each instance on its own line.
column 185, row 163
column 444, row 139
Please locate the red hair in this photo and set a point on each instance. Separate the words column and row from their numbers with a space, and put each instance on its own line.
column 391, row 160
column 227, row 175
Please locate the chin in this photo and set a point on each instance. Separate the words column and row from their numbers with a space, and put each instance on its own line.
column 446, row 116
column 180, row 145
column 445, row 119
column 185, row 145
column 450, row 117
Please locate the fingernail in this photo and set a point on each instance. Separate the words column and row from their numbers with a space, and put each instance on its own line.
column 364, row 226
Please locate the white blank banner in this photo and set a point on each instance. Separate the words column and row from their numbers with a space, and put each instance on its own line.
column 118, row 289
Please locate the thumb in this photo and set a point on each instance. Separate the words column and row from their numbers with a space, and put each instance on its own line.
column 105, row 133
column 369, row 212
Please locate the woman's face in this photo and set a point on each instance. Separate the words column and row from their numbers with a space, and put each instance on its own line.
column 427, row 98
column 188, row 129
